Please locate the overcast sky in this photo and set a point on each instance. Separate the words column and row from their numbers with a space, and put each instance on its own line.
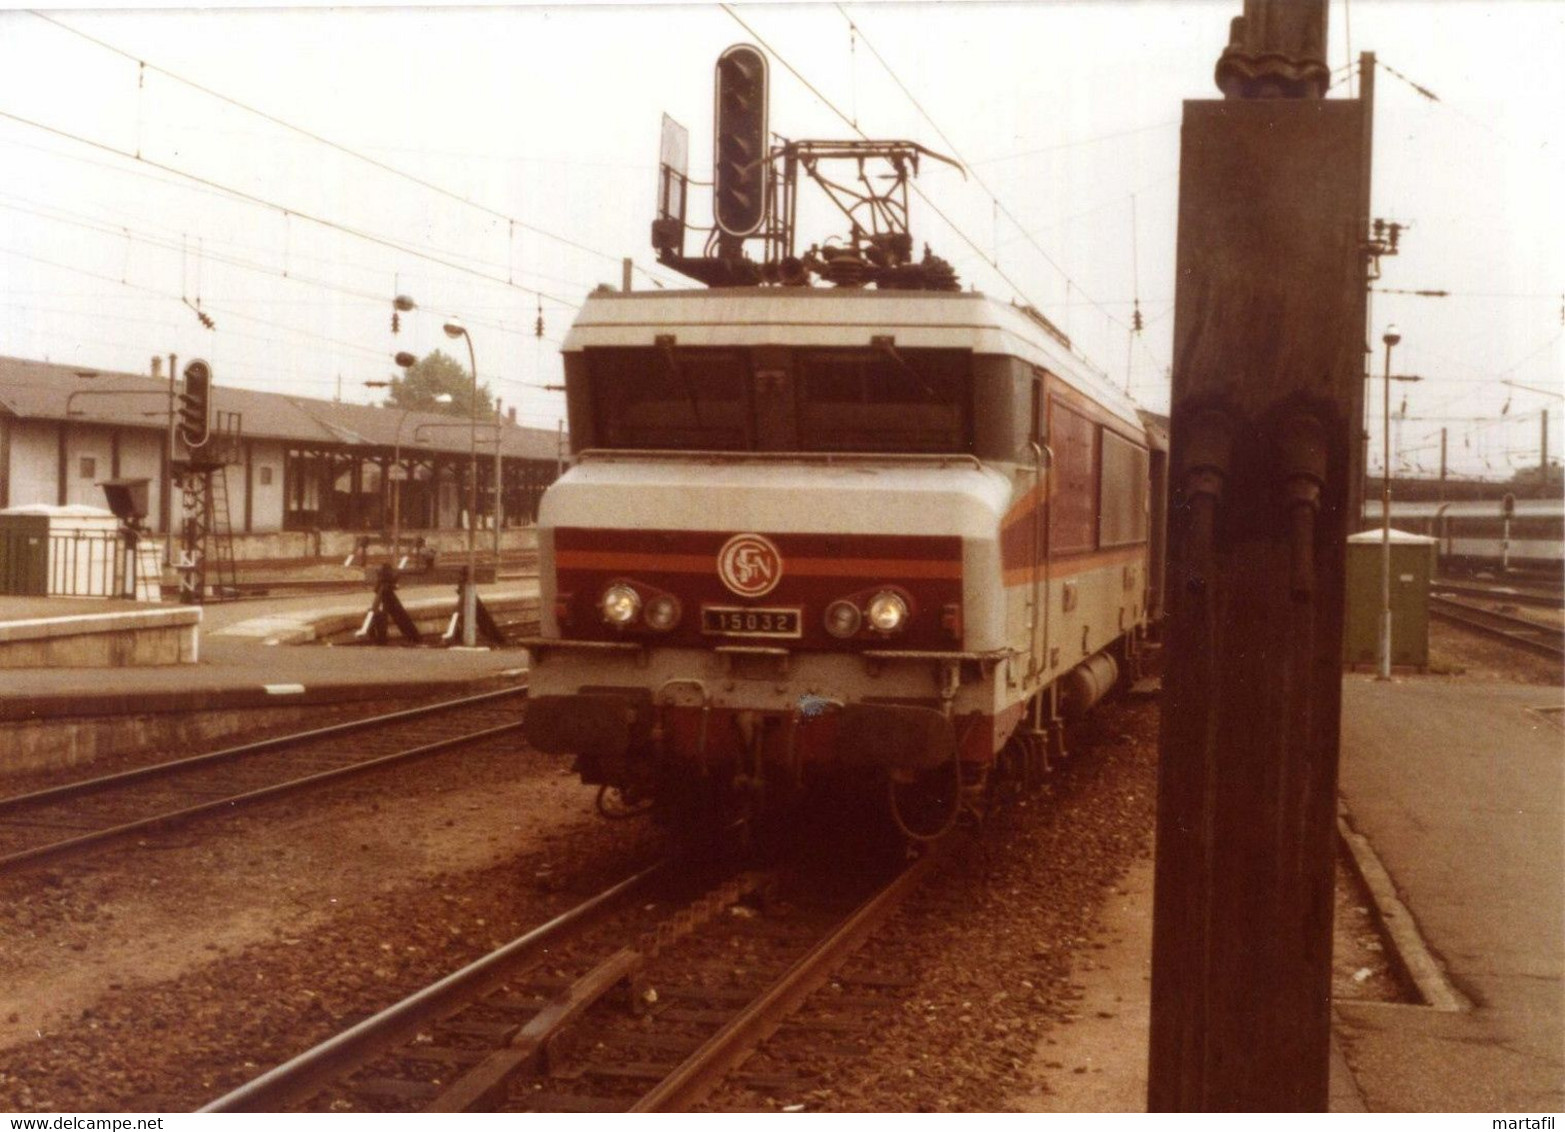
column 536, row 131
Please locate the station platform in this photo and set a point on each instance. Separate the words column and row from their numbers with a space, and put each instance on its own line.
column 257, row 663
column 1454, row 792
column 55, row 632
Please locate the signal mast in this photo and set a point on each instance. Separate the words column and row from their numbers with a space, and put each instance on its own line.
column 755, row 193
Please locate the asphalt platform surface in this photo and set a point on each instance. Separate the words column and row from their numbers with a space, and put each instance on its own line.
column 1456, row 788
column 238, row 666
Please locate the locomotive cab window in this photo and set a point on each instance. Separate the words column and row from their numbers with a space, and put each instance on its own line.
column 671, row 398
column 872, row 399
column 885, row 400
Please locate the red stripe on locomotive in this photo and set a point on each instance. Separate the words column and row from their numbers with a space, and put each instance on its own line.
column 817, row 569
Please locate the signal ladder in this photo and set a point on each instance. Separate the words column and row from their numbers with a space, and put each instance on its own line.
column 207, row 554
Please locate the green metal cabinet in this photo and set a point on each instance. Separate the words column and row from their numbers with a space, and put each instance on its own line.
column 1412, row 568
column 24, row 554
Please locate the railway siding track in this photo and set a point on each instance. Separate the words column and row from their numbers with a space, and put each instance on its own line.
column 1497, row 591
column 74, row 816
column 649, row 1025
column 1517, row 631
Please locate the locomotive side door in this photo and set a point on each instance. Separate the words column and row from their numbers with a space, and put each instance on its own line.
column 1038, row 429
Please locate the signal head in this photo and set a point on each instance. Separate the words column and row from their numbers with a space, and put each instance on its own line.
column 740, row 148
column 195, row 404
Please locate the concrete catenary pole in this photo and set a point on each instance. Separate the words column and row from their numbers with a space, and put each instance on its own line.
column 1390, row 338
column 1442, row 465
column 1543, row 450
column 1267, row 409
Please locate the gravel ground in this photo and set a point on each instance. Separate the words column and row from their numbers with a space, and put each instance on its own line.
column 159, row 976
column 982, row 965
column 985, row 971
column 1461, row 654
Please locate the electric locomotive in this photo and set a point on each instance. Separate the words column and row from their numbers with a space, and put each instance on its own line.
column 878, row 528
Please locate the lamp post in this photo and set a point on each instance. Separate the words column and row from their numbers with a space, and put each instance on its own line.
column 469, row 584
column 397, row 473
column 499, row 484
column 1390, row 338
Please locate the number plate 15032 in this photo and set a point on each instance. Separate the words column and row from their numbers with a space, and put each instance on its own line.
column 736, row 622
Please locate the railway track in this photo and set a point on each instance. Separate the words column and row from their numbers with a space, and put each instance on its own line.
column 1498, row 591
column 67, row 818
column 1517, row 631
column 659, row 1009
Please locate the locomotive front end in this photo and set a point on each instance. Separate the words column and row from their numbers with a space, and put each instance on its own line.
column 828, row 627
column 771, row 560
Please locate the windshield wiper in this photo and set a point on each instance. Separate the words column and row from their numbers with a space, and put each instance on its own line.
column 665, row 343
column 887, row 345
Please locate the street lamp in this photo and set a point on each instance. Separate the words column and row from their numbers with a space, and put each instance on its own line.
column 469, row 584
column 1390, row 338
column 397, row 472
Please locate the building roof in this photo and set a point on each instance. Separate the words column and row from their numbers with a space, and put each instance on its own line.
column 43, row 391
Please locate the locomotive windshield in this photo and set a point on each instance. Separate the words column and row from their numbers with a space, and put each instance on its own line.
column 877, row 399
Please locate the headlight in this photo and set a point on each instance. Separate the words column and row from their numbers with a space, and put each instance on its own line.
column 843, row 619
column 887, row 612
column 663, row 612
column 620, row 604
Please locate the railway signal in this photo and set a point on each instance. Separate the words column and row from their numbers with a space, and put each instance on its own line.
column 195, row 405
column 740, row 154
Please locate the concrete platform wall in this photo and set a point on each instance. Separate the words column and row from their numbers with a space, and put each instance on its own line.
column 102, row 640
column 176, row 726
column 294, row 545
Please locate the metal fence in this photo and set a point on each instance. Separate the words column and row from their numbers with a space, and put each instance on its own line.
column 87, row 564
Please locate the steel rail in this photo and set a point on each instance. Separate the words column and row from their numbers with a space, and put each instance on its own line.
column 1497, row 592
column 230, row 803
column 1545, row 640
column 483, row 1085
column 724, row 1050
column 306, row 1074
column 120, row 778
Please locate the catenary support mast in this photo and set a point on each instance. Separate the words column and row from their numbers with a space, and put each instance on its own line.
column 1267, row 404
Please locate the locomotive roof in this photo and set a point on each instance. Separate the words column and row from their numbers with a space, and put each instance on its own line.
column 840, row 317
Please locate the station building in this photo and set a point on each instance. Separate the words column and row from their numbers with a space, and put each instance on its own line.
column 292, row 464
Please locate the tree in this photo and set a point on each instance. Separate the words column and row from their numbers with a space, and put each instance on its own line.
column 436, row 374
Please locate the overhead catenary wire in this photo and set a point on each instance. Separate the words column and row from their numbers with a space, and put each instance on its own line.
column 1073, row 143
column 1020, row 291
column 241, row 194
column 107, row 228
column 143, row 65
column 1428, row 94
column 359, row 347
column 292, row 252
column 993, row 196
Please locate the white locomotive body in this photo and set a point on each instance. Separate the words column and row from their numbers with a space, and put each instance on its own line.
column 816, row 530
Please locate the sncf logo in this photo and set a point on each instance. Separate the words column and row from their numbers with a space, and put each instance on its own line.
column 749, row 565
